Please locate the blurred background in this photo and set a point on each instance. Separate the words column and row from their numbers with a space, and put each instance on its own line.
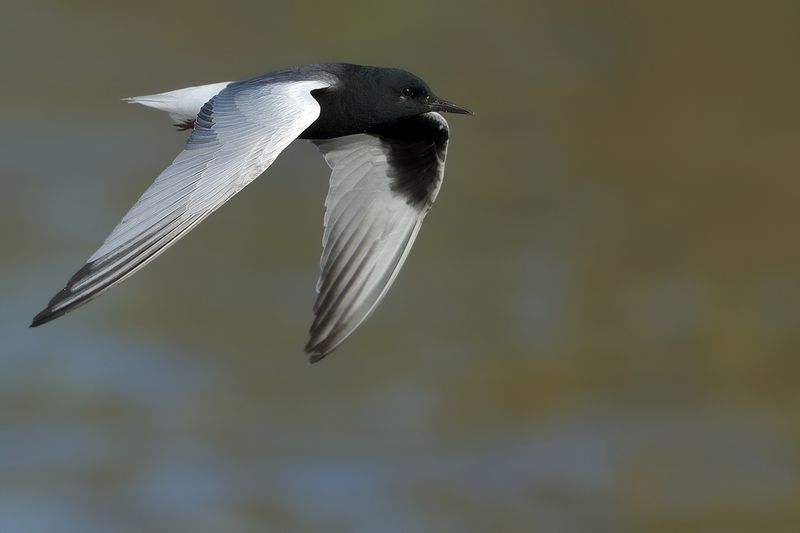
column 597, row 330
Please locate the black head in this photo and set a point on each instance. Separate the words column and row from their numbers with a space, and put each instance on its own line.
column 396, row 94
column 368, row 98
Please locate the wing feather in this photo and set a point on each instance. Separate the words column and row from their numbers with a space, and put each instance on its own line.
column 237, row 135
column 381, row 187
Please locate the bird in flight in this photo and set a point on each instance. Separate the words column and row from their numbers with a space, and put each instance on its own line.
column 380, row 131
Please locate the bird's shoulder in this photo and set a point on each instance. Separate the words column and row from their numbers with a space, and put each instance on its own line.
column 330, row 74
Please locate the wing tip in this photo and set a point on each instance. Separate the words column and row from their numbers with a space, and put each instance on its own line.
column 44, row 316
column 315, row 350
column 56, row 307
column 316, row 357
column 318, row 348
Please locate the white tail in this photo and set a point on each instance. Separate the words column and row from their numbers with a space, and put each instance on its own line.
column 183, row 105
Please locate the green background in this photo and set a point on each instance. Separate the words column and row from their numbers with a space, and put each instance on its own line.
column 597, row 330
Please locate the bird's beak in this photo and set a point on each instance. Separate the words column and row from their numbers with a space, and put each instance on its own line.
column 437, row 104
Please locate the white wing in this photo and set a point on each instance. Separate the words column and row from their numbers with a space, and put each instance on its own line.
column 238, row 134
column 381, row 188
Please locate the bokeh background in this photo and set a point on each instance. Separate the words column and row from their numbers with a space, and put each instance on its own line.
column 597, row 330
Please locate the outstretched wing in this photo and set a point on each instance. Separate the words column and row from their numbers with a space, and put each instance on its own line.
column 238, row 134
column 381, row 188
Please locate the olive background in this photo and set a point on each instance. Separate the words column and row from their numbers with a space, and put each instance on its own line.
column 597, row 330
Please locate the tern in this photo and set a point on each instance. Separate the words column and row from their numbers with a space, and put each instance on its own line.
column 379, row 129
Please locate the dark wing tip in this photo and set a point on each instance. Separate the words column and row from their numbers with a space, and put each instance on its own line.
column 316, row 357
column 48, row 313
column 54, row 310
column 319, row 347
column 316, row 349
column 325, row 340
column 44, row 316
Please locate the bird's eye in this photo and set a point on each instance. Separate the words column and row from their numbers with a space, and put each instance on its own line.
column 408, row 91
